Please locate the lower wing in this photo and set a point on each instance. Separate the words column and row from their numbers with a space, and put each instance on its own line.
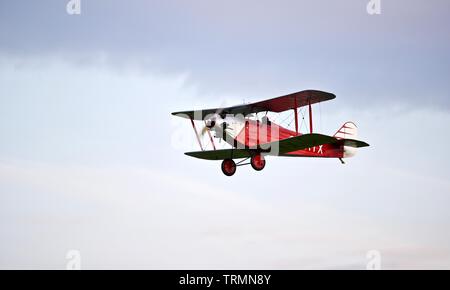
column 276, row 148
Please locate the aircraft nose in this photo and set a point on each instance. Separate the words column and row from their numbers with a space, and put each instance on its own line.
column 210, row 123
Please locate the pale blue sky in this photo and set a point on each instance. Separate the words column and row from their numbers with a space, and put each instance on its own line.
column 91, row 159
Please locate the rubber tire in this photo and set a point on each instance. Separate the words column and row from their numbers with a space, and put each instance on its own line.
column 232, row 170
column 254, row 162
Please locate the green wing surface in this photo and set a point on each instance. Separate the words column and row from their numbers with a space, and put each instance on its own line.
column 273, row 148
column 221, row 154
column 299, row 143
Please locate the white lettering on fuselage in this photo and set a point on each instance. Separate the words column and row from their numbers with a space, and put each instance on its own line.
column 313, row 149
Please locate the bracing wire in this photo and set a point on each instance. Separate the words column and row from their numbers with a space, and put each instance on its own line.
column 303, row 119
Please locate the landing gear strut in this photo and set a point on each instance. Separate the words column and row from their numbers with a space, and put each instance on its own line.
column 228, row 167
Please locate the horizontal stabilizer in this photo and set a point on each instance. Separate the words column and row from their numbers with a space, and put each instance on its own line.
column 352, row 143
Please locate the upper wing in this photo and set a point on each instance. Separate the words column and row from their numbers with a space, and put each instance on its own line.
column 277, row 105
column 292, row 101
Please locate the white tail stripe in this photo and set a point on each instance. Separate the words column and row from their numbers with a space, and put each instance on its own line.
column 348, row 130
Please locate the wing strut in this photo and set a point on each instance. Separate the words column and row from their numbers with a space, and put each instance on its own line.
column 310, row 117
column 196, row 134
column 296, row 115
column 210, row 138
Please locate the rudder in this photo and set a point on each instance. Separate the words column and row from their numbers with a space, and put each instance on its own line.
column 347, row 131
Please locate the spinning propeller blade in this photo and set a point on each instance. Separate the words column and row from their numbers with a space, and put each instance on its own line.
column 205, row 128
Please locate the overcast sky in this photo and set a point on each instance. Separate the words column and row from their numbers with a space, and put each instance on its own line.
column 92, row 160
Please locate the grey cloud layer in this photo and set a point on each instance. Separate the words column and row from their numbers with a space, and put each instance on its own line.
column 254, row 48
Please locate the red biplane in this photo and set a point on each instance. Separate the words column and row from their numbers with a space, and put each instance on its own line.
column 253, row 138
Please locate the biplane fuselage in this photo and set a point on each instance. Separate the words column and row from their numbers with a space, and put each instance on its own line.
column 253, row 138
column 249, row 133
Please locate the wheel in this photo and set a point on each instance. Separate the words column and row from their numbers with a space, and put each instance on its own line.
column 258, row 162
column 228, row 167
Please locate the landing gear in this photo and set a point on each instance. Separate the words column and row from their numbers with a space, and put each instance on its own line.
column 258, row 162
column 228, row 167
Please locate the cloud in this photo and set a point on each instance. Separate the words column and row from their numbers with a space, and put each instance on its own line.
column 141, row 218
column 253, row 49
column 87, row 163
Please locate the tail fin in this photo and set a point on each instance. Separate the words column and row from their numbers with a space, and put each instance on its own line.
column 347, row 131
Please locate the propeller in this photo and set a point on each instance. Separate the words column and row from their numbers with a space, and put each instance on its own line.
column 206, row 128
column 210, row 123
